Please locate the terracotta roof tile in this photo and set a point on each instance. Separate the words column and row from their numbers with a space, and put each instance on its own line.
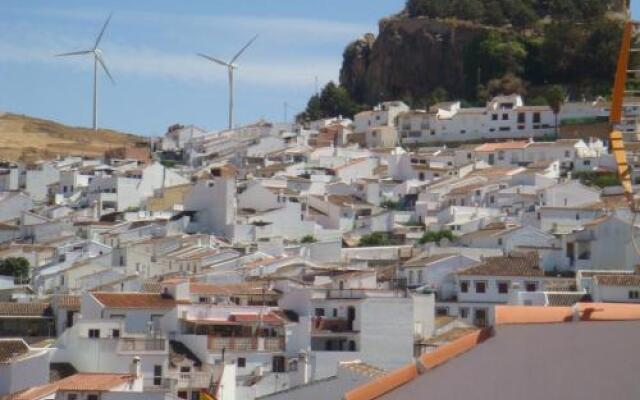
column 68, row 302
column 502, row 146
column 618, row 280
column 507, row 315
column 383, row 384
column 25, row 309
column 512, row 265
column 453, row 349
column 12, row 348
column 135, row 300
column 92, row 382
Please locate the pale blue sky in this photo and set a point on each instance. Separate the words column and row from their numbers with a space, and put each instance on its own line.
column 150, row 49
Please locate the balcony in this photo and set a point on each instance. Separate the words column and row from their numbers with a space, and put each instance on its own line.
column 321, row 325
column 136, row 345
column 246, row 344
column 192, row 380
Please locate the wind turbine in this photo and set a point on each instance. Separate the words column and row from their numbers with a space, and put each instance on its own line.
column 97, row 59
column 231, row 66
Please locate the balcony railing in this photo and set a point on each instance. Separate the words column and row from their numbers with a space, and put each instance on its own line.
column 246, row 344
column 135, row 345
column 192, row 380
column 335, row 325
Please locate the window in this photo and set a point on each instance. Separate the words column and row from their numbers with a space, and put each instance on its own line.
column 94, row 333
column 463, row 312
column 505, row 129
column 420, row 276
column 335, row 312
column 521, row 118
column 499, row 241
column 505, row 117
column 481, row 286
column 442, row 311
column 182, row 394
column 586, row 162
column 410, row 277
column 464, row 286
column 115, row 333
column 567, row 153
column 634, row 294
column 494, row 117
column 531, row 286
column 92, row 397
column 242, row 362
column 319, row 312
column 72, row 396
column 185, row 370
column 536, row 117
column 277, row 364
column 157, row 375
column 503, row 287
column 501, row 155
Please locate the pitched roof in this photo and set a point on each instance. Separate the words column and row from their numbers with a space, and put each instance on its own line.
column 83, row 382
column 512, row 265
column 11, row 349
column 10, row 309
column 513, row 145
column 565, row 299
column 618, row 280
column 543, row 369
column 135, row 300
column 69, row 302
column 424, row 259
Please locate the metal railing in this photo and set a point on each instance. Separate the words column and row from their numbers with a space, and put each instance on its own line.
column 129, row 344
column 268, row 344
column 195, row 380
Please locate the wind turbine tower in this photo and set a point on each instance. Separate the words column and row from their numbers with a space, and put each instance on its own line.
column 231, row 67
column 97, row 59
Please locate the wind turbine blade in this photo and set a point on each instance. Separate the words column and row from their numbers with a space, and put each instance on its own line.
column 253, row 39
column 104, row 27
column 104, row 67
column 75, row 53
column 215, row 60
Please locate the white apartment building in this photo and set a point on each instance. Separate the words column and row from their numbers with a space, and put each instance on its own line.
column 504, row 117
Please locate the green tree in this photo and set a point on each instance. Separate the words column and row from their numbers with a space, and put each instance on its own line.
column 308, row 239
column 18, row 267
column 374, row 239
column 437, row 236
column 555, row 96
column 508, row 84
column 333, row 101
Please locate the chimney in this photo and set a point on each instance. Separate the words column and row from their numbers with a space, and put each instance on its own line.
column 135, row 368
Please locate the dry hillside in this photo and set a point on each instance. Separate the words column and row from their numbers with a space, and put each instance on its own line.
column 24, row 138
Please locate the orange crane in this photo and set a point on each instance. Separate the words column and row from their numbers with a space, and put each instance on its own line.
column 616, row 114
column 616, row 117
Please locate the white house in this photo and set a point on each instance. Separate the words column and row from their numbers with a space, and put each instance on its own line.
column 383, row 115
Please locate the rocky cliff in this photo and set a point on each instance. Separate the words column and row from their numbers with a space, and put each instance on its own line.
column 409, row 58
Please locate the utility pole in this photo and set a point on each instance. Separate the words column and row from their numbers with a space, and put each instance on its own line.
column 286, row 108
